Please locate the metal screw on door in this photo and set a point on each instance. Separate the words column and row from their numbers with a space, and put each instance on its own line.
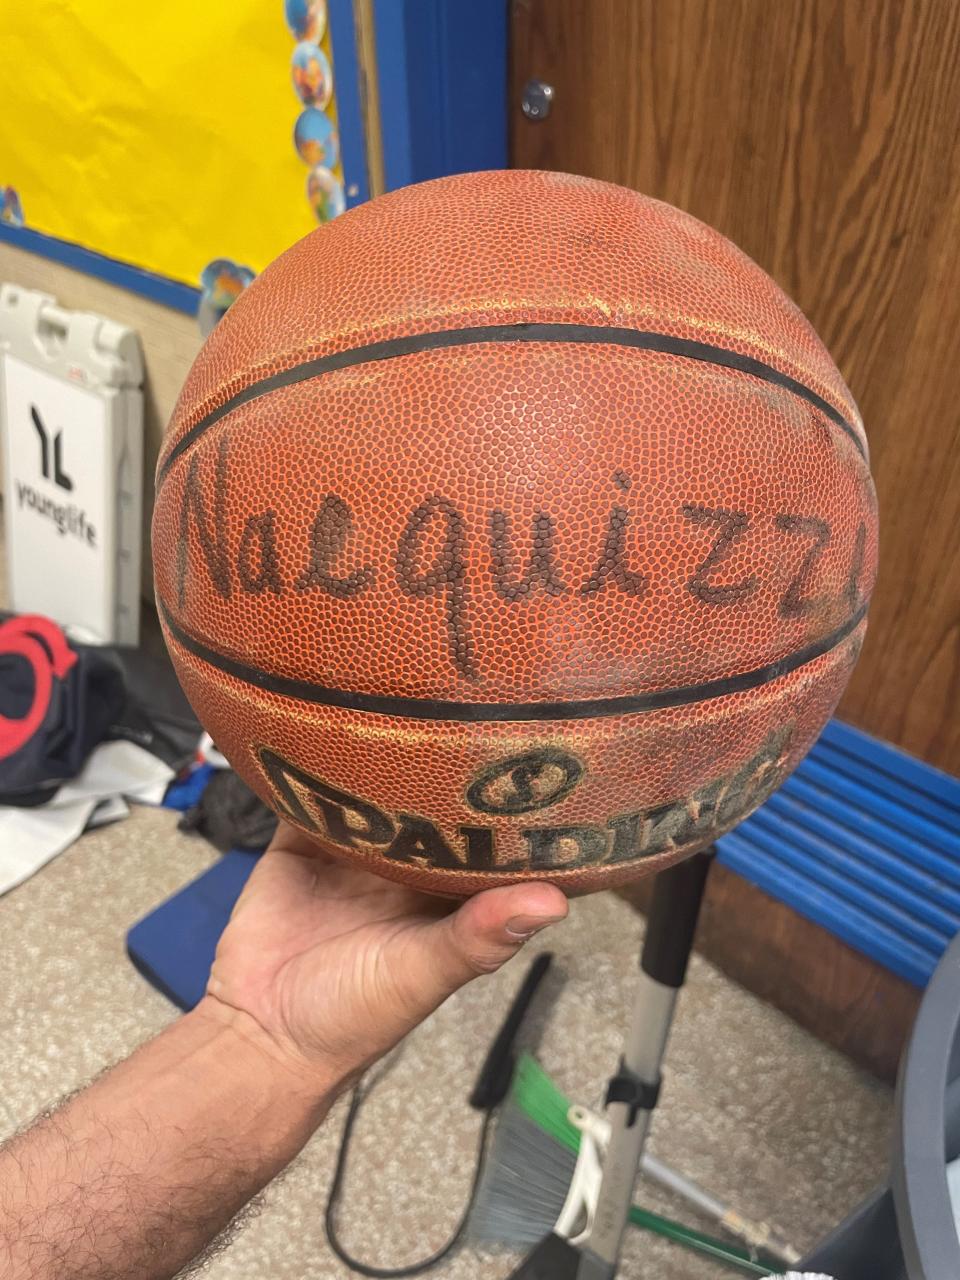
column 537, row 99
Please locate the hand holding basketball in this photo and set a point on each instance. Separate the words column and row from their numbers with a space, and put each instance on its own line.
column 333, row 965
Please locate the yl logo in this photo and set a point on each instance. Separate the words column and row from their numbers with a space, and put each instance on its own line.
column 59, row 476
column 521, row 784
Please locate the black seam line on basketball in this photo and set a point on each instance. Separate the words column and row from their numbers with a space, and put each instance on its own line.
column 640, row 339
column 431, row 709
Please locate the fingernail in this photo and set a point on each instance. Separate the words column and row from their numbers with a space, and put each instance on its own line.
column 523, row 927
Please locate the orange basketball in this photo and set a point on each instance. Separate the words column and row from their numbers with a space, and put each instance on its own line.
column 514, row 526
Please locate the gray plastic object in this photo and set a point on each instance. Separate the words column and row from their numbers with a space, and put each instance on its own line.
column 906, row 1231
column 927, row 1132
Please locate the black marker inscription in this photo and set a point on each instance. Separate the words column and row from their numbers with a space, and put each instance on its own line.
column 213, row 544
column 328, row 536
column 541, row 570
column 856, row 566
column 251, row 552
column 447, row 574
column 731, row 526
column 612, row 564
column 796, row 601
column 259, row 541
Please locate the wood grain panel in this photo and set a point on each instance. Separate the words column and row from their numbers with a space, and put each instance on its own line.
column 170, row 342
column 821, row 136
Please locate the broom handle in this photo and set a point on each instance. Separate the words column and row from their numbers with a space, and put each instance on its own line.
column 498, row 1066
column 671, row 923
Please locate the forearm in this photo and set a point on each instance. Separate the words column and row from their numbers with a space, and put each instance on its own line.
column 138, row 1173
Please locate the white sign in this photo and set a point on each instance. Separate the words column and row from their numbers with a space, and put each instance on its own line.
column 56, row 494
column 71, row 466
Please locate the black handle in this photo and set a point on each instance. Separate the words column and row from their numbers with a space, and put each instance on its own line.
column 497, row 1070
column 672, row 919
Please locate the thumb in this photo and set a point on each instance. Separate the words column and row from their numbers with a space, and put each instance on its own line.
column 482, row 935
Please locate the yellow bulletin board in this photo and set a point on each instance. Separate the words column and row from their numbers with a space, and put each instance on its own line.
column 162, row 135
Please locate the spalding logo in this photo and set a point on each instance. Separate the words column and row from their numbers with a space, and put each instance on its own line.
column 514, row 786
column 523, row 783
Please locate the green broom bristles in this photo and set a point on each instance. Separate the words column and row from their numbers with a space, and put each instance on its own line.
column 537, row 1095
column 534, row 1093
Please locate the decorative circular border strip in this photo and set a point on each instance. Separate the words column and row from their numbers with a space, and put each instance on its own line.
column 315, row 138
column 315, row 134
column 11, row 210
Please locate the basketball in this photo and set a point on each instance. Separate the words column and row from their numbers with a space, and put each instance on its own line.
column 514, row 526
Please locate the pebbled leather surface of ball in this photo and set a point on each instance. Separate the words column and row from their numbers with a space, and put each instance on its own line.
column 514, row 525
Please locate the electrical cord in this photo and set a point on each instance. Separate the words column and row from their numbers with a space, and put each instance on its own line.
column 360, row 1094
column 488, row 1093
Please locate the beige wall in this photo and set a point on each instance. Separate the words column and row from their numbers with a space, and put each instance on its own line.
column 170, row 341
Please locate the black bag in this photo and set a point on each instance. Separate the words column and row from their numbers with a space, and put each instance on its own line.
column 57, row 702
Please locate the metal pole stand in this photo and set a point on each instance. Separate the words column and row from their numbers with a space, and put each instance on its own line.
column 632, row 1093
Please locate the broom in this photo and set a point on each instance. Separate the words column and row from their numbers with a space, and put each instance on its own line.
column 529, row 1185
column 535, row 1109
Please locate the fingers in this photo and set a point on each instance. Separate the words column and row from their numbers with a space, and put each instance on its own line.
column 484, row 933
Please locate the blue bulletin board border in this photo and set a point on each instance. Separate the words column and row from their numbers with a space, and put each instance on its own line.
column 171, row 293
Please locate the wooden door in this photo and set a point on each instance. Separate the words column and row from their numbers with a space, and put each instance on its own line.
column 822, row 137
